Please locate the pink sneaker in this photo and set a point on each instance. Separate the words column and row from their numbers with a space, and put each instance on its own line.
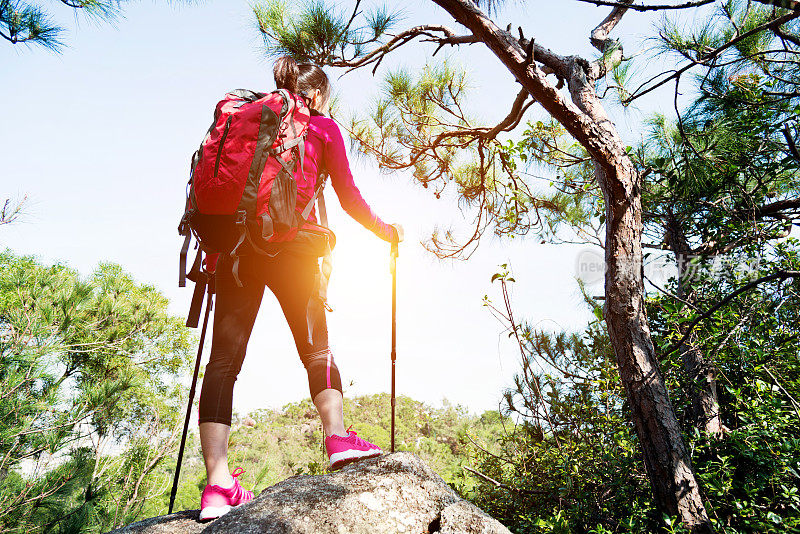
column 345, row 450
column 217, row 501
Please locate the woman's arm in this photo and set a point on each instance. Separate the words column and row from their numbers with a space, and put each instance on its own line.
column 335, row 161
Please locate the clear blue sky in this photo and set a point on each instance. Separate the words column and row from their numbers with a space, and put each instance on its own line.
column 99, row 138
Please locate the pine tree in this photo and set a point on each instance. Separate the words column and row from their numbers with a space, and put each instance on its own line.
column 32, row 24
column 468, row 154
column 90, row 398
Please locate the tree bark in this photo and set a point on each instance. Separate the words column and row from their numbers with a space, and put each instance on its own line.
column 704, row 412
column 666, row 459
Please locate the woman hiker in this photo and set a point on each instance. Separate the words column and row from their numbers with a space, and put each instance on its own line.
column 293, row 279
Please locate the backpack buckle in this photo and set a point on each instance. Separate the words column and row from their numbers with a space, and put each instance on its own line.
column 183, row 226
column 241, row 223
column 241, row 218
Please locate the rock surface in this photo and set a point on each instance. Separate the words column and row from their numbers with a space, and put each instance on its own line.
column 394, row 493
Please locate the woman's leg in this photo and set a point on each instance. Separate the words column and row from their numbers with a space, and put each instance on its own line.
column 214, row 442
column 234, row 316
column 330, row 406
column 294, row 280
column 295, row 283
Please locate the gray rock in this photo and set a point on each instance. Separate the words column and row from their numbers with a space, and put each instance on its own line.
column 394, row 493
column 464, row 517
column 187, row 522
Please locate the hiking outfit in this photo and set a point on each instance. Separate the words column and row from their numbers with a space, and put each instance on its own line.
column 250, row 205
column 293, row 278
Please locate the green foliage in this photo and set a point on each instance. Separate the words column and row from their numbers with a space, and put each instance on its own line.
column 720, row 162
column 769, row 52
column 28, row 24
column 31, row 24
column 90, row 398
column 723, row 181
column 319, row 33
column 731, row 19
column 569, row 199
column 413, row 113
column 421, row 123
column 572, row 464
column 752, row 344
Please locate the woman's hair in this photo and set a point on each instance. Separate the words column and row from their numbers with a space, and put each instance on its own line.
column 301, row 79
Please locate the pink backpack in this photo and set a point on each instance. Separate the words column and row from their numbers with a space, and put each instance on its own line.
column 246, row 175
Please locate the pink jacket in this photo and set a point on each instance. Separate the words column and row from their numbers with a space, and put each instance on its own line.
column 325, row 150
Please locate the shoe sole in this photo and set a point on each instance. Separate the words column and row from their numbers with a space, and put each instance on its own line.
column 214, row 512
column 341, row 459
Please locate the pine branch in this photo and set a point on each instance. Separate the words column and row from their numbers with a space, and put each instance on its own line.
column 776, row 23
column 514, row 116
column 611, row 49
column 787, row 134
column 786, row 4
column 29, row 24
column 599, row 36
column 642, row 7
column 780, row 275
column 773, row 209
column 398, row 40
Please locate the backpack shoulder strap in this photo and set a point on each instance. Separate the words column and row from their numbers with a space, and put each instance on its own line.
column 323, row 212
column 327, row 260
column 317, row 195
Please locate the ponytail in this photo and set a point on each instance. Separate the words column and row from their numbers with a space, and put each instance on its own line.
column 286, row 72
column 300, row 79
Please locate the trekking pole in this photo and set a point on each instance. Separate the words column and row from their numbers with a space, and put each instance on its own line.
column 209, row 305
column 393, row 266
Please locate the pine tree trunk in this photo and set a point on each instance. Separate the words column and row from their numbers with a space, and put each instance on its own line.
column 703, row 395
column 667, row 461
column 701, row 375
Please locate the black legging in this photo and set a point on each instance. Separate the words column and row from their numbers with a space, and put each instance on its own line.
column 294, row 279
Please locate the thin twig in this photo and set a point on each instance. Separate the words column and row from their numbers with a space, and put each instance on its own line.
column 671, row 295
column 504, row 486
column 794, row 403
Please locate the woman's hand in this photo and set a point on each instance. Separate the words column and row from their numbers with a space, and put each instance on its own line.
column 399, row 230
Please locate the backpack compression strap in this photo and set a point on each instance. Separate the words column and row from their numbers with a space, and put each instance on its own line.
column 186, row 231
column 267, row 130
